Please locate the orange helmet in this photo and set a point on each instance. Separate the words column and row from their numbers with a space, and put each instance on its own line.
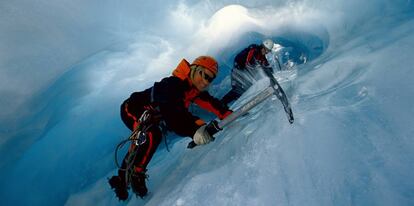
column 207, row 62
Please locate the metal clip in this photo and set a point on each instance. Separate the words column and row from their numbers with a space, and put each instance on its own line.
column 141, row 138
column 145, row 117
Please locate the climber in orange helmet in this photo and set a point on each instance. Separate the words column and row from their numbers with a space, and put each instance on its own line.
column 166, row 103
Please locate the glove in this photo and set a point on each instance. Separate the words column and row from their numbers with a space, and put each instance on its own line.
column 201, row 136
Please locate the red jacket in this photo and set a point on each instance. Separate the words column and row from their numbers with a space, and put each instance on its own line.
column 250, row 56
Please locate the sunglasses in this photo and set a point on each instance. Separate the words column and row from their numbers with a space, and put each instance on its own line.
column 206, row 76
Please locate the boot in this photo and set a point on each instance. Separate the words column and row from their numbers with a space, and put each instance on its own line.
column 138, row 184
column 120, row 187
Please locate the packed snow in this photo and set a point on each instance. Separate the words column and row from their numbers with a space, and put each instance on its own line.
column 65, row 68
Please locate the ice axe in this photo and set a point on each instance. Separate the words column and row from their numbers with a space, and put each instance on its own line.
column 214, row 126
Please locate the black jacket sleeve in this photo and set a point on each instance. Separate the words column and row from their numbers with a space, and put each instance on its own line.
column 169, row 95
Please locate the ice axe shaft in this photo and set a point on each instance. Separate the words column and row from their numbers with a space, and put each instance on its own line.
column 280, row 94
column 247, row 107
column 213, row 127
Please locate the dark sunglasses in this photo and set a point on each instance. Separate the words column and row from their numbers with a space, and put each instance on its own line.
column 206, row 76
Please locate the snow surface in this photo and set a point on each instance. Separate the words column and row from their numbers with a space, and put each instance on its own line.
column 66, row 66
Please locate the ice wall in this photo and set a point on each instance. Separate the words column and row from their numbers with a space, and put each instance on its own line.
column 351, row 143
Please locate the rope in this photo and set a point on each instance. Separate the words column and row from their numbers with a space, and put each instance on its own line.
column 119, row 146
column 165, row 141
column 131, row 156
column 138, row 137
